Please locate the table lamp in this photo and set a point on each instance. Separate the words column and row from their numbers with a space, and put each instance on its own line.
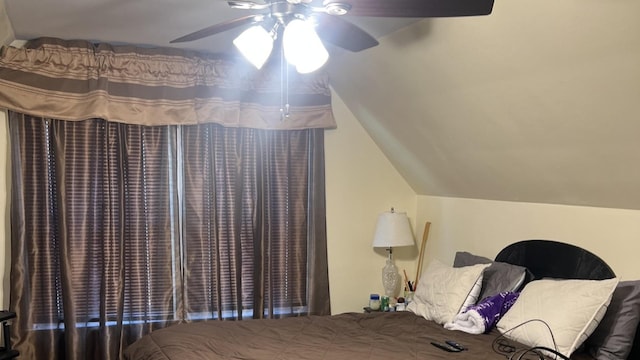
column 392, row 230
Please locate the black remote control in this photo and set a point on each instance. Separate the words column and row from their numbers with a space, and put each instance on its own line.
column 445, row 347
column 455, row 345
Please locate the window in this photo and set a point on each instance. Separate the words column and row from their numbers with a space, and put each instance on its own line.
column 127, row 224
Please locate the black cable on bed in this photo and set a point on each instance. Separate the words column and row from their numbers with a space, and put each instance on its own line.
column 541, row 356
column 503, row 346
column 524, row 352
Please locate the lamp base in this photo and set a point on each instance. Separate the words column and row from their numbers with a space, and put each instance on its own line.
column 390, row 278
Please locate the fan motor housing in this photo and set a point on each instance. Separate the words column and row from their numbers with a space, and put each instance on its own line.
column 337, row 8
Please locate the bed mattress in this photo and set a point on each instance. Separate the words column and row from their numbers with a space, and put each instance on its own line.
column 394, row 335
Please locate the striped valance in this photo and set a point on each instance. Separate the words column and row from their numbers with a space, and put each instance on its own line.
column 77, row 80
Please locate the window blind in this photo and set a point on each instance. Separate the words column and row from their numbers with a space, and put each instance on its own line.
column 134, row 224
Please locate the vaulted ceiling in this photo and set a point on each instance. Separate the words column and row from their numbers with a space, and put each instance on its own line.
column 537, row 102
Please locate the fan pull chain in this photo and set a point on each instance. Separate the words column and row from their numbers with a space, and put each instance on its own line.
column 284, row 87
column 286, row 105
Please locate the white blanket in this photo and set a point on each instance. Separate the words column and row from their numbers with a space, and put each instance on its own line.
column 480, row 318
column 470, row 322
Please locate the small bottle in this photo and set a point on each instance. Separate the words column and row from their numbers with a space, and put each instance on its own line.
column 385, row 303
column 374, row 302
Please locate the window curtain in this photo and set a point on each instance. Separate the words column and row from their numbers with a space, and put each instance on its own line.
column 169, row 188
column 261, row 191
column 78, row 80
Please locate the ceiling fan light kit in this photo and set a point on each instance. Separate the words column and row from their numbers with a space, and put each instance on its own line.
column 255, row 44
column 303, row 47
column 303, row 44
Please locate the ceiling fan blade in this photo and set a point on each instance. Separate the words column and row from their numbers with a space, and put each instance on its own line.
column 217, row 28
column 417, row 8
column 340, row 32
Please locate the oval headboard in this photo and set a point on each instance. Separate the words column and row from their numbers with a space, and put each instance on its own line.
column 553, row 259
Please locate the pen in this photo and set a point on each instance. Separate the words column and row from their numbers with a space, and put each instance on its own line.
column 406, row 280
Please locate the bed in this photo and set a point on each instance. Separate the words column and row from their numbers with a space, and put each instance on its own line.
column 409, row 334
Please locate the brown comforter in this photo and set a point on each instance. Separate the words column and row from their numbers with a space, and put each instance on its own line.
column 384, row 336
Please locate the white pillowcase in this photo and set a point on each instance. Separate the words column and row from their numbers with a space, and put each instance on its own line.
column 474, row 294
column 571, row 308
column 443, row 291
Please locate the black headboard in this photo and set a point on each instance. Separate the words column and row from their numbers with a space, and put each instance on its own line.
column 553, row 259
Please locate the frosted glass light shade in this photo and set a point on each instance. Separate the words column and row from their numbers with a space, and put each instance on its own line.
column 303, row 47
column 255, row 44
column 392, row 230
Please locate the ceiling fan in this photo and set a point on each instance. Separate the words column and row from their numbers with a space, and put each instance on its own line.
column 275, row 16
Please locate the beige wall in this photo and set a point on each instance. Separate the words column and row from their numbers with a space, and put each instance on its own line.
column 484, row 227
column 361, row 183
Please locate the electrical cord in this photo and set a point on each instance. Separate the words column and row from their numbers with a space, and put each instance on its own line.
column 503, row 346
column 524, row 352
column 555, row 352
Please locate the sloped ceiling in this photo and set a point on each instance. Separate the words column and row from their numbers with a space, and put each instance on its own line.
column 538, row 102
column 6, row 30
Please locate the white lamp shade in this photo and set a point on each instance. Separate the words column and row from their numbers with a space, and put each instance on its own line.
column 393, row 230
column 303, row 47
column 255, row 44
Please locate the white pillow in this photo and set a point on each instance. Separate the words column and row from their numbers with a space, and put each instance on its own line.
column 571, row 308
column 443, row 291
column 474, row 293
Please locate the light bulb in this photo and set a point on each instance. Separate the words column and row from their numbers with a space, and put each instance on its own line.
column 303, row 47
column 255, row 44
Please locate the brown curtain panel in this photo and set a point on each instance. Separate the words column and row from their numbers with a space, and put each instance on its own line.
column 91, row 236
column 170, row 187
column 120, row 229
column 254, row 223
